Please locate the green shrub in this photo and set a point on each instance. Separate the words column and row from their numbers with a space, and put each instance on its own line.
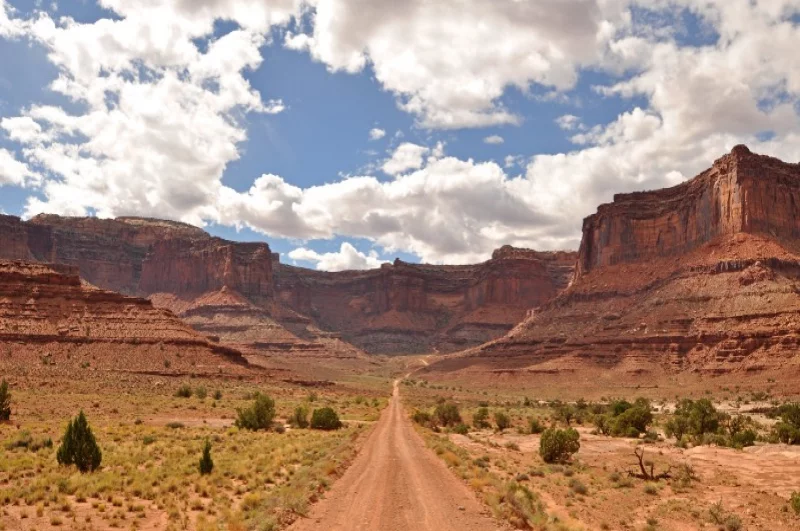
column 786, row 433
column 447, row 414
column 795, row 502
column 624, row 419
column 698, row 419
column 299, row 418
column 461, row 429
column 5, row 402
column 217, row 395
column 481, row 418
column 743, row 439
column 184, row 391
column 502, row 421
column 258, row 416
column 325, row 419
column 787, row 430
column 557, row 446
column 206, row 465
column 79, row 447
column 25, row 440
column 201, row 393
column 535, row 426
column 423, row 418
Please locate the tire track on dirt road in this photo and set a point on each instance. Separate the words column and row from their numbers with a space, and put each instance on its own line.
column 397, row 484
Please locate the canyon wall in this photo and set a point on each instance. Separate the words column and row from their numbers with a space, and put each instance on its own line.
column 48, row 316
column 241, row 293
column 402, row 307
column 741, row 192
column 702, row 277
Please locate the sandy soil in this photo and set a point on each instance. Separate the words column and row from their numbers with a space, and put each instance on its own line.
column 395, row 484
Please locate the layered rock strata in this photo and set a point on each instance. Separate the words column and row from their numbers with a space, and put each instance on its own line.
column 240, row 293
column 48, row 313
column 406, row 308
column 702, row 277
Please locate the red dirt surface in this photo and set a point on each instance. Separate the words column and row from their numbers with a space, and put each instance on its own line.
column 397, row 484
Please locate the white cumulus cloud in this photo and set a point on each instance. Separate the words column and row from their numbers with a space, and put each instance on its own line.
column 376, row 133
column 493, row 139
column 347, row 258
column 162, row 117
column 407, row 156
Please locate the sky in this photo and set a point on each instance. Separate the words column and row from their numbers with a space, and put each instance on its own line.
column 346, row 133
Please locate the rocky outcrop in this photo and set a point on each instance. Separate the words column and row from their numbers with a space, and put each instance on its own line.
column 703, row 277
column 741, row 192
column 49, row 316
column 403, row 308
column 242, row 294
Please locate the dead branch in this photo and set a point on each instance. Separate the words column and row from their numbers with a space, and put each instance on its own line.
column 648, row 475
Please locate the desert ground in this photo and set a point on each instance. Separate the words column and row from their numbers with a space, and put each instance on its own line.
column 381, row 470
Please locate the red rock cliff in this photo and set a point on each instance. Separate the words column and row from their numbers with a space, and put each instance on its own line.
column 416, row 307
column 701, row 277
column 741, row 192
column 228, row 289
column 139, row 256
column 49, row 317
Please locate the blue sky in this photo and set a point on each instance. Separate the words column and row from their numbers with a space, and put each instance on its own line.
column 512, row 142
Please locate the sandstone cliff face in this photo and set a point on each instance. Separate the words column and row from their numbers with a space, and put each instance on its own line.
column 742, row 192
column 241, row 294
column 404, row 308
column 702, row 277
column 46, row 311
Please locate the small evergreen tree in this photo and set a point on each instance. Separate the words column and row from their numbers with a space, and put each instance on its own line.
column 325, row 419
column 79, row 447
column 206, row 464
column 5, row 402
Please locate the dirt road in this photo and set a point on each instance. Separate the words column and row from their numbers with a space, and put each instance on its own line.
column 397, row 484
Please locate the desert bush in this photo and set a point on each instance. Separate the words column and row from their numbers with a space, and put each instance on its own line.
column 461, row 429
column 535, row 426
column 577, row 487
column 299, row 418
column 258, row 416
column 481, row 418
column 795, row 502
column 557, row 446
column 564, row 413
column 423, row 418
column 79, row 447
column 201, row 393
column 217, row 395
column 502, row 421
column 522, row 505
column 206, row 464
column 447, row 414
column 184, row 391
column 726, row 521
column 5, row 402
column 787, row 430
column 25, row 440
column 701, row 421
column 625, row 419
column 325, row 419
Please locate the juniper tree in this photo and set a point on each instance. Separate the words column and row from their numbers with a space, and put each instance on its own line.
column 5, row 402
column 79, row 447
column 206, row 464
